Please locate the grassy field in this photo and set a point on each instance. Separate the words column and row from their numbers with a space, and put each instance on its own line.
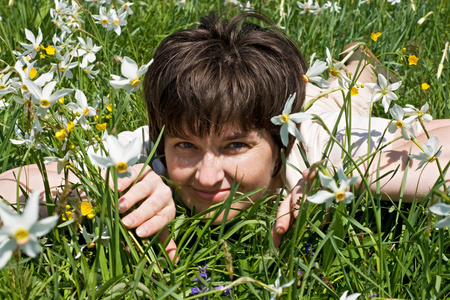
column 381, row 249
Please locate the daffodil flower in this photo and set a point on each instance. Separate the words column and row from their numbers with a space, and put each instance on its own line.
column 441, row 209
column 335, row 71
column 350, row 297
column 383, row 91
column 23, row 230
column 35, row 45
column 120, row 157
column 64, row 66
column 103, row 18
column 44, row 97
column 340, row 194
column 309, row 6
column 288, row 121
column 316, row 69
column 431, row 151
column 82, row 109
column 132, row 74
column 117, row 21
column 418, row 114
column 125, row 7
column 87, row 50
column 277, row 287
column 405, row 125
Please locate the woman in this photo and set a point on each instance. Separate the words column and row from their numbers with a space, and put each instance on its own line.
column 215, row 89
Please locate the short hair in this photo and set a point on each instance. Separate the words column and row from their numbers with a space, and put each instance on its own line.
column 225, row 72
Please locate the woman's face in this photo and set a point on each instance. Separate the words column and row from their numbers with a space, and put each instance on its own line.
column 205, row 168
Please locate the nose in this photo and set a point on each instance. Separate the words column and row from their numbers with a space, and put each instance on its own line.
column 210, row 171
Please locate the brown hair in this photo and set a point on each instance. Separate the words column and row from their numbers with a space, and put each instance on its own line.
column 225, row 72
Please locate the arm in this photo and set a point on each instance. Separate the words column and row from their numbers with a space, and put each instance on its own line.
column 156, row 210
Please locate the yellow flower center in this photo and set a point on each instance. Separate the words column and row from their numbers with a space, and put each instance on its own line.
column 333, row 72
column 2, row 86
column 432, row 159
column 104, row 21
column 399, row 124
column 121, row 167
column 116, row 22
column 44, row 103
column 86, row 208
column 86, row 71
column 135, row 82
column 339, row 196
column 305, row 78
column 37, row 48
column 22, row 236
column 85, row 111
column 284, row 118
column 62, row 68
column 91, row 245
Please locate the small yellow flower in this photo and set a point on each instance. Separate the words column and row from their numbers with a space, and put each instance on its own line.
column 412, row 60
column 95, row 117
column 61, row 135
column 375, row 35
column 86, row 208
column 425, row 86
column 50, row 50
column 109, row 107
column 70, row 126
column 101, row 126
column 69, row 215
column 61, row 100
column 33, row 72
column 354, row 91
column 42, row 55
column 91, row 215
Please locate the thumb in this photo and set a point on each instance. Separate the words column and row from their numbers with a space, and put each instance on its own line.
column 283, row 221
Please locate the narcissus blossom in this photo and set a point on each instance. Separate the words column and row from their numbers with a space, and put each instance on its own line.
column 132, row 74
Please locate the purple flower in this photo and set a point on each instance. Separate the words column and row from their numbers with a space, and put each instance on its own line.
column 202, row 271
column 195, row 290
column 226, row 292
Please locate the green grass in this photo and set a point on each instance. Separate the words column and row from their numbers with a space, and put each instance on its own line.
column 369, row 246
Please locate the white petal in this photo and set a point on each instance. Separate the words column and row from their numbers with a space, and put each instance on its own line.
column 129, row 68
column 44, row 226
column 31, row 211
column 6, row 252
column 32, row 248
column 320, row 197
column 441, row 209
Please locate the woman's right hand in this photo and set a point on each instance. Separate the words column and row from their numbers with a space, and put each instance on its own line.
column 157, row 207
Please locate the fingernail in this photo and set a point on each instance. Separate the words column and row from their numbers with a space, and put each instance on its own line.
column 128, row 221
column 280, row 230
column 122, row 205
column 141, row 232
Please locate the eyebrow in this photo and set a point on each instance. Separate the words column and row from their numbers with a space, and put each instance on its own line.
column 236, row 136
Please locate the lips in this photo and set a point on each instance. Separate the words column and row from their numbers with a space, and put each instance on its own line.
column 213, row 196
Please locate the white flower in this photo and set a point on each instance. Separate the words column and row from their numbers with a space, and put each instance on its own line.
column 120, row 157
column 316, row 69
column 88, row 70
column 431, row 151
column 288, row 121
column 64, row 66
column 383, row 91
column 40, row 81
column 132, row 74
column 308, row 6
column 44, row 97
column 363, row 2
column 418, row 114
column 125, row 7
column 117, row 21
column 339, row 194
column 441, row 209
column 181, row 3
column 332, row 6
column 35, row 45
column 5, row 85
column 23, row 230
column 103, row 18
column 335, row 71
column 405, row 125
column 82, row 109
column 279, row 288
column 351, row 297
column 87, row 50
column 226, row 2
column 393, row 2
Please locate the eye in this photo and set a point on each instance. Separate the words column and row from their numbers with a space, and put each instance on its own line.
column 185, row 145
column 237, row 145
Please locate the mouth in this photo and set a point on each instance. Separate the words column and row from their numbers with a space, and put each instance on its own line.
column 213, row 196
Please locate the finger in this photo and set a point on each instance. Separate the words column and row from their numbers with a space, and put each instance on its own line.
column 282, row 222
column 151, row 185
column 158, row 221
column 125, row 182
column 171, row 248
